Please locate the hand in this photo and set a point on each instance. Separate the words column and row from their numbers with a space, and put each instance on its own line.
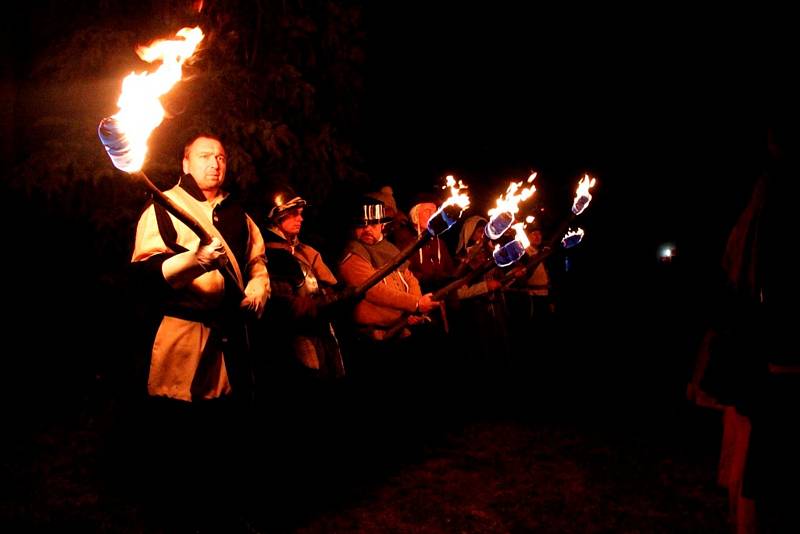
column 417, row 319
column 179, row 270
column 426, row 303
column 211, row 256
column 253, row 300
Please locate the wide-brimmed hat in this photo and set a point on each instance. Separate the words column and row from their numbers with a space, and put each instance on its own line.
column 370, row 211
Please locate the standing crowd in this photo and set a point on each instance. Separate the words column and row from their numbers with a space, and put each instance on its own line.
column 255, row 323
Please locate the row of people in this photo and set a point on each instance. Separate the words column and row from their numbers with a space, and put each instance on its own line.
column 256, row 305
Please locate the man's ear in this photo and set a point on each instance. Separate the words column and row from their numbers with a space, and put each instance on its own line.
column 185, row 166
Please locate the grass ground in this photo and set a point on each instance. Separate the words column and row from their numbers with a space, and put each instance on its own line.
column 487, row 467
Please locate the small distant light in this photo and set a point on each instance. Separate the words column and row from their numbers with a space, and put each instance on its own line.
column 667, row 252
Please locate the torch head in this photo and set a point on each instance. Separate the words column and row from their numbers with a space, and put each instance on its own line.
column 444, row 218
column 116, row 144
column 572, row 238
column 580, row 205
column 509, row 253
column 498, row 224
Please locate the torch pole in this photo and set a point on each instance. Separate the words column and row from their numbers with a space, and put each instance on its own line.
column 186, row 218
column 478, row 248
column 179, row 213
column 484, row 268
column 439, row 294
column 395, row 262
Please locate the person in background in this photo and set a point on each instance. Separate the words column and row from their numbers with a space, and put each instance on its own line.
column 383, row 366
column 398, row 293
column 753, row 363
column 432, row 264
column 481, row 322
column 299, row 377
column 531, row 307
column 399, row 230
column 304, row 291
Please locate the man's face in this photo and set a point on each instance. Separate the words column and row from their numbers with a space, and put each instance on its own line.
column 535, row 238
column 291, row 222
column 205, row 161
column 370, row 234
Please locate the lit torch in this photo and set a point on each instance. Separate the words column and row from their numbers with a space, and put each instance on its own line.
column 572, row 238
column 582, row 195
column 125, row 134
column 441, row 221
column 569, row 238
column 582, row 199
column 501, row 217
column 512, row 251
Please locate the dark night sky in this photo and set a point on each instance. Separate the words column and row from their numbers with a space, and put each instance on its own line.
column 663, row 110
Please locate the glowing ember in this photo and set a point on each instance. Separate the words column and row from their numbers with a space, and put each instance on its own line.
column 125, row 134
column 501, row 217
column 582, row 195
column 572, row 238
column 452, row 208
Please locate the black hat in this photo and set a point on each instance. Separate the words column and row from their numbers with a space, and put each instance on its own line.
column 282, row 201
column 370, row 211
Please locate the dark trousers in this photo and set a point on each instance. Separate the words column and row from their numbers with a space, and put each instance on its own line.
column 190, row 460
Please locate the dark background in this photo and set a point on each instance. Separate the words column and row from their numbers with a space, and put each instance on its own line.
column 665, row 109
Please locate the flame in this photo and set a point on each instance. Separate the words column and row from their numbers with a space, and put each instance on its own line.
column 449, row 212
column 572, row 238
column 140, row 110
column 456, row 197
column 510, row 200
column 502, row 215
column 520, row 235
column 582, row 194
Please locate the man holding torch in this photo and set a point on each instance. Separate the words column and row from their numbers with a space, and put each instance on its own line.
column 399, row 292
column 199, row 349
column 379, row 365
column 203, row 295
